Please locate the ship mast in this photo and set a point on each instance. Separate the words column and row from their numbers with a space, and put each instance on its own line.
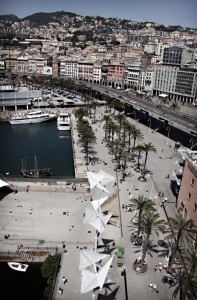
column 36, row 167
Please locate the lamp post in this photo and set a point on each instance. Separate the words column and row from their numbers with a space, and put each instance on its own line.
column 149, row 129
column 168, row 128
column 134, row 113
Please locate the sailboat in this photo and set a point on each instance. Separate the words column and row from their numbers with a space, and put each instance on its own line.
column 36, row 172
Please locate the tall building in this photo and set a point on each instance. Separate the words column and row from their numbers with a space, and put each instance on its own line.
column 187, row 198
column 178, row 56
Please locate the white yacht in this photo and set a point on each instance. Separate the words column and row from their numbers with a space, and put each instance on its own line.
column 31, row 117
column 18, row 266
column 63, row 121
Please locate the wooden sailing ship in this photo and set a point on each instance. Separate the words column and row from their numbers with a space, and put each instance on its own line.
column 36, row 172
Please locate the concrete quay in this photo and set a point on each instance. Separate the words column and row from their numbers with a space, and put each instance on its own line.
column 54, row 214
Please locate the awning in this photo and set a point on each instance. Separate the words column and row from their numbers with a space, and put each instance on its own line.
column 163, row 95
column 3, row 183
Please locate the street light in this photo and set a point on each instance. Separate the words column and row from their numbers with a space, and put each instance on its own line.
column 149, row 129
column 168, row 128
column 134, row 113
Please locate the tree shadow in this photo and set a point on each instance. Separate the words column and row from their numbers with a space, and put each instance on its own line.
column 110, row 296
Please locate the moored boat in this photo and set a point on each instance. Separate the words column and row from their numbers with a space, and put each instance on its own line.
column 63, row 121
column 36, row 172
column 31, row 117
column 18, row 266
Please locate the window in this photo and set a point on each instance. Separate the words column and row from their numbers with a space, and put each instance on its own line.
column 195, row 207
column 192, row 182
column 189, row 197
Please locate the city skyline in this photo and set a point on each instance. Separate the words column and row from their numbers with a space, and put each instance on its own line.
column 169, row 12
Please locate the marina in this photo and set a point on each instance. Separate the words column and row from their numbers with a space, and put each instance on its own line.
column 41, row 140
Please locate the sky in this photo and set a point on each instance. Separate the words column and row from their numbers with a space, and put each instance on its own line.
column 167, row 12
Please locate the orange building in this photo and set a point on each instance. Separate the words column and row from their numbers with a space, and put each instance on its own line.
column 187, row 197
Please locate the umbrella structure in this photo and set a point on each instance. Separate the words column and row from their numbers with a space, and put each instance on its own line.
column 106, row 177
column 88, row 258
column 98, row 179
column 3, row 183
column 90, row 280
column 94, row 181
column 97, row 203
column 96, row 218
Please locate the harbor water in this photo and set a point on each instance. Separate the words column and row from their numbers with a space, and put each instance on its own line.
column 52, row 148
column 21, row 285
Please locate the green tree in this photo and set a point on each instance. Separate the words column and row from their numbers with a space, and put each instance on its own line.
column 146, row 148
column 140, row 205
column 152, row 223
column 182, row 231
column 49, row 271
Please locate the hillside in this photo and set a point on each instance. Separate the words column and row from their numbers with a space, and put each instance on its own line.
column 40, row 18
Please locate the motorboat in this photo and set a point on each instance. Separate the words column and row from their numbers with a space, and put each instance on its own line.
column 35, row 172
column 63, row 121
column 18, row 266
column 31, row 117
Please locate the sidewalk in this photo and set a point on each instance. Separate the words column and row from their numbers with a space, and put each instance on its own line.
column 161, row 164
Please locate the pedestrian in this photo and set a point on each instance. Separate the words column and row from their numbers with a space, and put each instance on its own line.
column 150, row 285
column 154, row 287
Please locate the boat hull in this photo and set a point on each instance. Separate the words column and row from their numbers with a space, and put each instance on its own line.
column 63, row 122
column 18, row 266
column 31, row 121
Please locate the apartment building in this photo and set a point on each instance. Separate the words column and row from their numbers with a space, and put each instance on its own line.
column 180, row 84
column 132, row 76
column 69, row 68
column 115, row 75
column 85, row 70
column 179, row 56
column 97, row 72
column 187, row 197
column 145, row 82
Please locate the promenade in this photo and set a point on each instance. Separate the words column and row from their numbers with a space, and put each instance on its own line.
column 54, row 214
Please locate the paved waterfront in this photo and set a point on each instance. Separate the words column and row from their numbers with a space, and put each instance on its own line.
column 55, row 214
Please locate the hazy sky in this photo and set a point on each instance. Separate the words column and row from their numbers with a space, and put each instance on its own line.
column 167, row 12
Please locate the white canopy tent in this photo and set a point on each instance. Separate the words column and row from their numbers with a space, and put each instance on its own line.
column 94, row 181
column 3, row 183
column 90, row 281
column 96, row 218
column 88, row 258
column 97, row 203
column 99, row 179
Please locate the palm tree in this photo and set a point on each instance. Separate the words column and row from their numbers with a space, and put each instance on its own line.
column 152, row 223
column 187, row 289
column 182, row 231
column 130, row 129
column 139, row 149
column 106, row 119
column 86, row 136
column 141, row 204
column 121, row 118
column 80, row 113
column 187, row 267
column 146, row 148
column 136, row 135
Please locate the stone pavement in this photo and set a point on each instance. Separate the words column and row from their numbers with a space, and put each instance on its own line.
column 55, row 215
column 161, row 164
